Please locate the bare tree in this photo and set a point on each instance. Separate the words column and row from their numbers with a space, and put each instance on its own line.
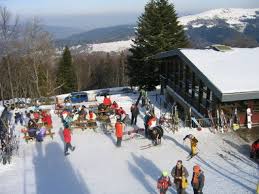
column 8, row 35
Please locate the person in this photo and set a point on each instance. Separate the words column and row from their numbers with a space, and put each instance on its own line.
column 107, row 101
column 119, row 127
column 91, row 116
column 67, row 139
column 164, row 182
column 134, row 113
column 67, row 118
column 146, row 119
column 11, row 121
column 150, row 107
column 75, row 110
column 46, row 119
column 156, row 133
column 121, row 113
column 40, row 135
column 32, row 128
column 197, row 180
column 193, row 142
column 91, row 119
column 114, row 105
column 144, row 97
column 151, row 122
column 179, row 172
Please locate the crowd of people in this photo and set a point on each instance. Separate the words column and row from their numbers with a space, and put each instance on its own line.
column 38, row 122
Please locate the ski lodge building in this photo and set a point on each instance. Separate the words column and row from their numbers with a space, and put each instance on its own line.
column 216, row 78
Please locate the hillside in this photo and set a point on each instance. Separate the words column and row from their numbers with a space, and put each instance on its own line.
column 100, row 35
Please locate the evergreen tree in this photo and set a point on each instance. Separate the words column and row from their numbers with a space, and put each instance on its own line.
column 158, row 30
column 66, row 73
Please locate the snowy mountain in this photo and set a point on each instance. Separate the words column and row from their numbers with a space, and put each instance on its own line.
column 237, row 19
column 235, row 27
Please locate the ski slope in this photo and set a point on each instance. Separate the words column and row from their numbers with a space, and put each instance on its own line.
column 97, row 166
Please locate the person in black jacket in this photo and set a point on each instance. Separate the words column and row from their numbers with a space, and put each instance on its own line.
column 198, row 179
column 134, row 114
column 179, row 172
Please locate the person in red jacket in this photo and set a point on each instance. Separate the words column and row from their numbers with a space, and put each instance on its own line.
column 164, row 182
column 114, row 105
column 119, row 127
column 47, row 120
column 107, row 101
column 67, row 139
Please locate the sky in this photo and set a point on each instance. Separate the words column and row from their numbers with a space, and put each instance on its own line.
column 72, row 12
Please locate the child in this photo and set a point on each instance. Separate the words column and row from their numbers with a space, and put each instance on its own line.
column 164, row 182
column 67, row 139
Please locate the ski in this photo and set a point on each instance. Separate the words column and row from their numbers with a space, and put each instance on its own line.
column 191, row 156
column 146, row 146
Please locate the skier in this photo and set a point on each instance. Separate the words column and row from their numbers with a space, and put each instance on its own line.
column 67, row 139
column 156, row 133
column 134, row 114
column 197, row 180
column 164, row 182
column 119, row 126
column 193, row 142
column 180, row 175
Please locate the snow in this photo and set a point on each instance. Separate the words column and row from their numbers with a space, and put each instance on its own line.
column 231, row 71
column 233, row 16
column 116, row 46
column 98, row 166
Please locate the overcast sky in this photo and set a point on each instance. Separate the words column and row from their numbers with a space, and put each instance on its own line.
column 56, row 12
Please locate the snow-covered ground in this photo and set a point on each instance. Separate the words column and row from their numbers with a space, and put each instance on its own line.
column 97, row 166
column 116, row 46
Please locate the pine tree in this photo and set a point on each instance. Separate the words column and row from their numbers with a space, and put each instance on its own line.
column 158, row 30
column 66, row 73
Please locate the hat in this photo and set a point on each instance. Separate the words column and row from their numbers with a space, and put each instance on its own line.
column 165, row 173
column 196, row 168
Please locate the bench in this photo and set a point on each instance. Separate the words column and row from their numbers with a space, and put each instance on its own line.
column 83, row 125
column 26, row 136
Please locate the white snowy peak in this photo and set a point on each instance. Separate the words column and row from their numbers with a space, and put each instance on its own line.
column 232, row 16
